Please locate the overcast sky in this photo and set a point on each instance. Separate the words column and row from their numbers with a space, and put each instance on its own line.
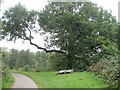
column 38, row 5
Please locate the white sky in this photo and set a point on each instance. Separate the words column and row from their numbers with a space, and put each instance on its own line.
column 38, row 5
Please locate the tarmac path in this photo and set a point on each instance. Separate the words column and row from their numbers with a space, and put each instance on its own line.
column 22, row 81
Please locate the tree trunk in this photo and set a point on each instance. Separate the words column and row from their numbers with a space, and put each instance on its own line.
column 70, row 62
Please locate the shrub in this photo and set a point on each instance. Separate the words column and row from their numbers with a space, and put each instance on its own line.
column 7, row 78
column 26, row 68
column 41, row 69
column 108, row 70
column 4, row 70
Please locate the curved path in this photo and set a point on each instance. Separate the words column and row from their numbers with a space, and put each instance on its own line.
column 22, row 81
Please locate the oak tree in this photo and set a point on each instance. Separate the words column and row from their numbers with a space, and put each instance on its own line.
column 80, row 30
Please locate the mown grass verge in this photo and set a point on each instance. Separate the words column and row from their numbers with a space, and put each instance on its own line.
column 74, row 80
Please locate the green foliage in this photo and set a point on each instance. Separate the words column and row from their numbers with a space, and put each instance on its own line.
column 79, row 65
column 74, row 80
column 0, row 29
column 41, row 61
column 0, row 73
column 86, row 33
column 107, row 69
column 119, row 36
column 17, row 21
column 57, row 61
column 14, row 59
column 3, row 67
column 26, row 68
column 25, row 60
column 4, row 70
column 80, row 29
column 8, row 81
column 5, row 77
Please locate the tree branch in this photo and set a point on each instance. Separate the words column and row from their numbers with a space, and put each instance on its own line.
column 47, row 51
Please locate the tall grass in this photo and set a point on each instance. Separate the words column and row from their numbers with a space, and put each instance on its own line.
column 7, row 81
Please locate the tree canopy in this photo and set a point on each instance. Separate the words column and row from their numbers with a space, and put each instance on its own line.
column 80, row 30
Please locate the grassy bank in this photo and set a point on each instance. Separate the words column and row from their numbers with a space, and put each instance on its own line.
column 74, row 80
column 7, row 81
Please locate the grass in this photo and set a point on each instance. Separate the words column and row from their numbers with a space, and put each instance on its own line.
column 74, row 80
column 8, row 81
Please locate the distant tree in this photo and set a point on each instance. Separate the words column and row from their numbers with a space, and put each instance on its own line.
column 26, row 58
column 4, row 55
column 14, row 59
column 42, row 61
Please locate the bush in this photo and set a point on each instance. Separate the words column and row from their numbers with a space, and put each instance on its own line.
column 4, row 70
column 7, row 81
column 41, row 69
column 26, row 68
column 108, row 70
column 7, row 78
